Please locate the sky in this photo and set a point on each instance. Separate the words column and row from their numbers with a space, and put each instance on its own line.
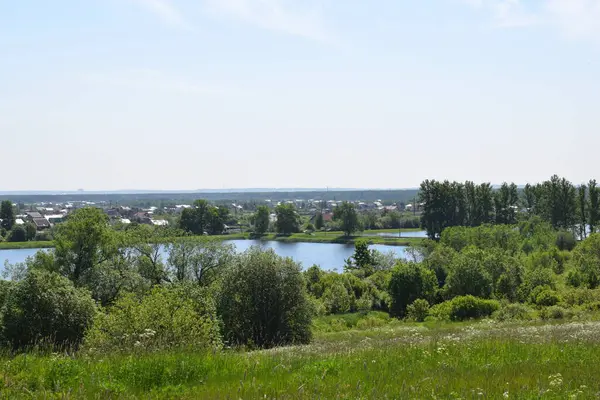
column 190, row 94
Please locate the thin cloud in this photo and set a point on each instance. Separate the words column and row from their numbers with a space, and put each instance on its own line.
column 574, row 18
column 141, row 79
column 290, row 17
column 166, row 11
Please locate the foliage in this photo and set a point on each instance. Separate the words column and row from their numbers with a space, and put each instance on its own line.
column 319, row 222
column 513, row 312
column 565, row 241
column 468, row 276
column 418, row 310
column 362, row 260
column 288, row 220
column 261, row 220
column 408, row 283
column 546, row 297
column 201, row 261
column 46, row 309
column 263, row 301
column 83, row 242
column 7, row 215
column 181, row 316
column 347, row 216
column 203, row 218
column 17, row 234
column 464, row 307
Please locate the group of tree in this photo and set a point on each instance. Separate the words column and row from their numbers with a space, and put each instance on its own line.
column 9, row 229
column 557, row 201
column 204, row 218
column 110, row 289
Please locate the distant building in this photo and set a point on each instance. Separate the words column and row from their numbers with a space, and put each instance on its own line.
column 125, row 221
column 41, row 223
column 159, row 222
column 33, row 214
column 55, row 218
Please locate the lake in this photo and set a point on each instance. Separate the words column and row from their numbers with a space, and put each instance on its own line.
column 330, row 256
column 411, row 234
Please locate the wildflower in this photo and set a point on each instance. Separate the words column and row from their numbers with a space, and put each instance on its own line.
column 505, row 394
column 555, row 380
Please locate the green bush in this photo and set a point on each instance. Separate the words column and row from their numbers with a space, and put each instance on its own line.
column 556, row 312
column 46, row 309
column 464, row 307
column 418, row 310
column 337, row 300
column 408, row 283
column 182, row 316
column 565, row 241
column 513, row 312
column 468, row 276
column 263, row 301
column 547, row 298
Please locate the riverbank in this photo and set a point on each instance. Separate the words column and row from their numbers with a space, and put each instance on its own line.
column 316, row 237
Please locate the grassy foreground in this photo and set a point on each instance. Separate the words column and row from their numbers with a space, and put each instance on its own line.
column 394, row 360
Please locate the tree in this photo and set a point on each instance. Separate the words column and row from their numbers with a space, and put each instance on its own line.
column 146, row 240
column 594, row 206
column 582, row 211
column 409, row 282
column 46, row 309
column 319, row 222
column 467, row 275
column 346, row 214
column 83, row 242
column 30, row 231
column 288, row 220
column 263, row 301
column 261, row 220
column 505, row 200
column 17, row 234
column 362, row 259
column 7, row 215
column 200, row 261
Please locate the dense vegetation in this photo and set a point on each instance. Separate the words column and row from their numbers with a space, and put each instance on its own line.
column 557, row 201
column 105, row 295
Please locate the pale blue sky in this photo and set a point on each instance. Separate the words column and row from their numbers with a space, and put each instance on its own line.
column 186, row 94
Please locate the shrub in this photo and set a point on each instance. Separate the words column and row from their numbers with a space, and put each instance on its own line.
column 556, row 312
column 46, row 309
column 547, row 297
column 574, row 278
column 337, row 300
column 418, row 310
column 513, row 312
column 17, row 234
column 410, row 282
column 468, row 276
column 464, row 307
column 565, row 241
column 263, row 301
column 181, row 316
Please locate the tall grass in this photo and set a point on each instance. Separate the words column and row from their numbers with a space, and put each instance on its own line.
column 468, row 360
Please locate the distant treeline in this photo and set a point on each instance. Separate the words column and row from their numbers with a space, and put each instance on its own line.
column 557, row 201
column 147, row 199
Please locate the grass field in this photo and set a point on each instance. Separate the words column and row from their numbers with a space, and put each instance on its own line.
column 377, row 359
column 25, row 245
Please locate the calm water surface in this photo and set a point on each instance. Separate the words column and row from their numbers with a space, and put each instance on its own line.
column 330, row 256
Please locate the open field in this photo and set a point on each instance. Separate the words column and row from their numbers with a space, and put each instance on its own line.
column 389, row 359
